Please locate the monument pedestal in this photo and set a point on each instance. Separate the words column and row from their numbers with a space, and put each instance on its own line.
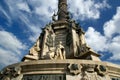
column 69, row 69
column 61, row 53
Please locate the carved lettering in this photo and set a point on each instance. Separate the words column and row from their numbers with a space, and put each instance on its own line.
column 44, row 77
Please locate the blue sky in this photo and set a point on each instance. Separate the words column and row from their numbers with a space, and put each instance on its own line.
column 21, row 22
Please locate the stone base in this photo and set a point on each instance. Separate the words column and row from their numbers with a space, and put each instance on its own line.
column 73, row 69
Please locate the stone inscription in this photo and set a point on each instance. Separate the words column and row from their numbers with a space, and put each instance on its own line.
column 60, row 36
column 45, row 77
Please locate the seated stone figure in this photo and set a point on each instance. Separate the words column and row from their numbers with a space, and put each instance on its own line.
column 51, row 53
column 33, row 52
column 58, row 52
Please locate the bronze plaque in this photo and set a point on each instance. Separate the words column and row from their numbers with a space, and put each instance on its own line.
column 45, row 77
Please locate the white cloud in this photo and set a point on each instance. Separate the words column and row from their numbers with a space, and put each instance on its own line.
column 46, row 8
column 7, row 57
column 112, row 27
column 23, row 6
column 33, row 29
column 95, row 39
column 102, row 43
column 39, row 12
column 10, row 42
column 114, row 48
column 33, row 13
column 87, row 9
column 5, row 15
column 36, row 32
column 108, row 42
column 10, row 48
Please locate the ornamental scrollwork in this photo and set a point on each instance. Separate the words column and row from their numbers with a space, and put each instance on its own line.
column 93, row 72
column 74, row 68
column 101, row 70
column 9, row 73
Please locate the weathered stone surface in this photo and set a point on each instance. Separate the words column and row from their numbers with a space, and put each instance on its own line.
column 71, row 68
column 45, row 77
column 11, row 73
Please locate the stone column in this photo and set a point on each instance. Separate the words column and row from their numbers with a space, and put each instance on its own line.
column 62, row 10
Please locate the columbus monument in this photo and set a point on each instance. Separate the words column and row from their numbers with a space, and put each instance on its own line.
column 61, row 53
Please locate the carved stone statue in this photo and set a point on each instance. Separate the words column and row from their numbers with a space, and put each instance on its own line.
column 35, row 49
column 50, row 37
column 51, row 53
column 34, row 52
column 60, row 52
column 54, row 17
